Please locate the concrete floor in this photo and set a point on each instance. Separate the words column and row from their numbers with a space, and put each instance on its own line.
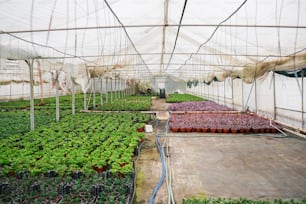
column 257, row 167
column 216, row 165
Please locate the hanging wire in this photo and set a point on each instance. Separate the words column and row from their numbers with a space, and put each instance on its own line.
column 84, row 33
column 177, row 34
column 50, row 22
column 107, row 4
column 295, row 42
column 214, row 32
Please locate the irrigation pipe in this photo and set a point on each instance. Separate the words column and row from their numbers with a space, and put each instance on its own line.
column 159, row 184
column 278, row 129
column 168, row 169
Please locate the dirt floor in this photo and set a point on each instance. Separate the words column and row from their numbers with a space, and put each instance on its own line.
column 231, row 165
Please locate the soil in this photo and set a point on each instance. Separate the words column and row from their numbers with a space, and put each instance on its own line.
column 253, row 166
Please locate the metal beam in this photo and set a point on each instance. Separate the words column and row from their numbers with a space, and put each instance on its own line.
column 151, row 26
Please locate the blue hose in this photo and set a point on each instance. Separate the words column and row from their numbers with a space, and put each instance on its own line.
column 159, row 184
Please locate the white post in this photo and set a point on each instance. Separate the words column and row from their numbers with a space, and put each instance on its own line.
column 94, row 92
column 101, row 92
column 85, row 106
column 115, row 94
column 30, row 64
column 56, row 97
column 106, row 90
column 111, row 96
column 274, row 97
column 73, row 99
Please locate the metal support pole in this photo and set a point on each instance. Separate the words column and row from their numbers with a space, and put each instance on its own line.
column 224, row 102
column 302, row 78
column 101, row 91
column 32, row 117
column 232, row 92
column 111, row 96
column 85, row 106
column 106, row 90
column 73, row 99
column 242, row 102
column 115, row 94
column 256, row 110
column 94, row 92
column 57, row 97
column 274, row 97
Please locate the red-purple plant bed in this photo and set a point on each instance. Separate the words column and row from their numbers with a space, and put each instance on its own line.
column 221, row 123
column 198, row 106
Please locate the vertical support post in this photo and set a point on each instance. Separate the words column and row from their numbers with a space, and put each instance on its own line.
column 111, row 96
column 32, row 118
column 256, row 110
column 101, row 91
column 125, row 91
column 232, row 92
column 115, row 94
column 56, row 97
column 274, row 97
column 94, row 92
column 85, row 105
column 224, row 101
column 218, row 92
column 106, row 90
column 73, row 99
column 242, row 95
column 302, row 78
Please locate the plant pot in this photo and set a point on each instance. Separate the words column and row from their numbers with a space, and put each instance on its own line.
column 273, row 130
column 140, row 129
column 247, row 131
column 255, row 130
column 213, row 130
column 234, row 131
column 219, row 130
column 189, row 129
column 262, row 130
column 204, row 129
column 268, row 130
column 199, row 130
column 174, row 129
column 226, row 130
column 182, row 129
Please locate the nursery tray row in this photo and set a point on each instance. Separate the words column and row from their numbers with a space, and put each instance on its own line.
column 198, row 106
column 82, row 146
column 221, row 123
column 97, row 188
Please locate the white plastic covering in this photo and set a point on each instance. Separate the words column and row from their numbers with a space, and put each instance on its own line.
column 188, row 40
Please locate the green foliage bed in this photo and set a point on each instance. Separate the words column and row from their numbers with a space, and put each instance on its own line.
column 131, row 103
column 76, row 143
column 15, row 115
column 41, row 166
column 176, row 98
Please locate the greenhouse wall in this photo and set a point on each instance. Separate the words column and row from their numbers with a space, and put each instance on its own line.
column 15, row 78
column 272, row 96
column 170, row 84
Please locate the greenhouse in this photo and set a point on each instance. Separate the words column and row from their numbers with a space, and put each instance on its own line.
column 124, row 102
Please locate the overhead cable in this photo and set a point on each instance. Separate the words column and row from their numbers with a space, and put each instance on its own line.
column 215, row 30
column 128, row 36
column 49, row 47
column 177, row 34
column 153, row 26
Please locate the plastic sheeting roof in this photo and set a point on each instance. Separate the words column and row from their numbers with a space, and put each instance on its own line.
column 203, row 39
